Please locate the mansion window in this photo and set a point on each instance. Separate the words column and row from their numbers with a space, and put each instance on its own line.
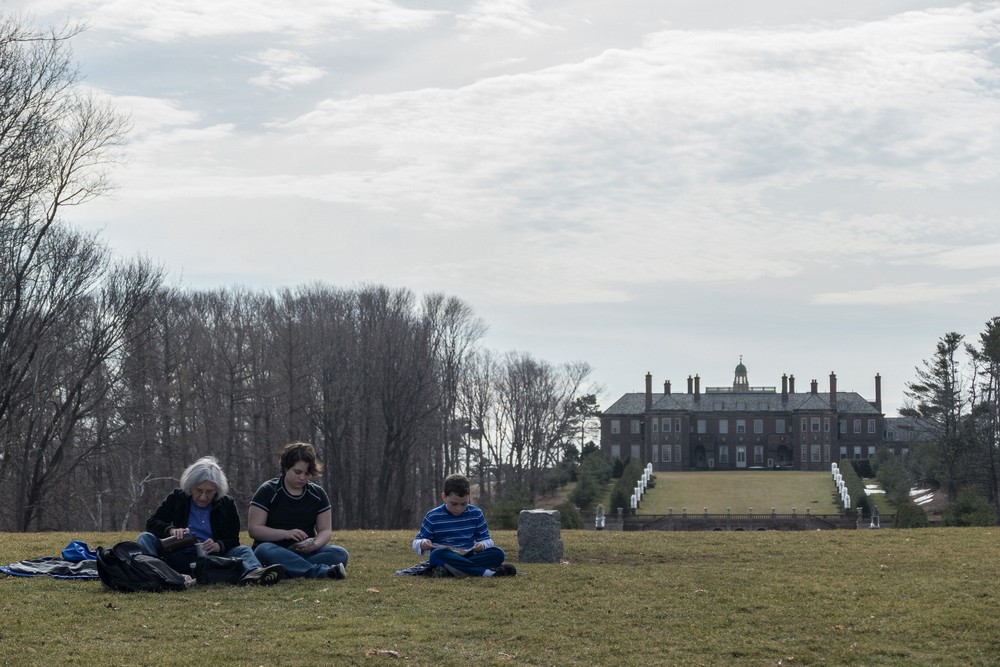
column 723, row 426
column 815, row 425
column 616, row 426
column 636, row 426
column 779, row 425
column 702, row 426
column 666, row 424
column 758, row 425
column 616, row 451
column 741, row 425
column 857, row 426
column 826, row 424
column 724, row 456
column 814, row 453
column 871, row 425
column 636, row 452
column 656, row 425
column 666, row 453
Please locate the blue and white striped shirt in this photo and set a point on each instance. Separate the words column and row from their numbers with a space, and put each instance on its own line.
column 442, row 527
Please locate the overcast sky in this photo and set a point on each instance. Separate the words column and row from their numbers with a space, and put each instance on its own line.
column 644, row 185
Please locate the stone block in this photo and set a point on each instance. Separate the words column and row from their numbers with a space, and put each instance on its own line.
column 538, row 537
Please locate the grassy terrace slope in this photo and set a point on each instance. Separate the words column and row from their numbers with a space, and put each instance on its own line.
column 916, row 597
column 759, row 489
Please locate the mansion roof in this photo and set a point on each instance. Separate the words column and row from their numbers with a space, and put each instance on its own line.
column 756, row 401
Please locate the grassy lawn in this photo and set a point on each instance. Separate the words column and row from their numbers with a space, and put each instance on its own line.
column 890, row 597
column 738, row 490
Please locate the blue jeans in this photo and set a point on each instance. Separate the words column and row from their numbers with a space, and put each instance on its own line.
column 182, row 560
column 472, row 565
column 313, row 566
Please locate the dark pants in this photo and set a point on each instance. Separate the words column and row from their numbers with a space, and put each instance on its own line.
column 472, row 565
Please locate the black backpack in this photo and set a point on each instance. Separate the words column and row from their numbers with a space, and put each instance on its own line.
column 218, row 570
column 124, row 567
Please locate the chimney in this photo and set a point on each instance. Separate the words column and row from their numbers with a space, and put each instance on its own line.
column 689, row 384
column 666, row 387
column 784, row 387
column 878, row 392
column 697, row 387
column 833, row 391
column 649, row 391
column 791, row 384
column 814, row 387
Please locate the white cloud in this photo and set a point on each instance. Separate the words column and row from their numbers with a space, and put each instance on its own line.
column 986, row 255
column 678, row 161
column 171, row 20
column 921, row 292
column 283, row 69
column 514, row 16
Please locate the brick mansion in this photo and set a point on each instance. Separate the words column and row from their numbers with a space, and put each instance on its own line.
column 745, row 427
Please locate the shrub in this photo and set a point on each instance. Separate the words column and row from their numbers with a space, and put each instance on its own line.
column 597, row 464
column 503, row 514
column 586, row 492
column 910, row 515
column 855, row 487
column 621, row 494
column 895, row 479
column 970, row 509
column 569, row 516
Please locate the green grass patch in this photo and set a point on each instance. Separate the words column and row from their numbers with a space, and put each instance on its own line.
column 738, row 490
column 889, row 597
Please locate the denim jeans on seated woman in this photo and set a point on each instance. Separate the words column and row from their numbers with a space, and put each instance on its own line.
column 313, row 566
column 183, row 559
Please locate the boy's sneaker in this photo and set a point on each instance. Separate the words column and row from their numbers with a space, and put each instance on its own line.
column 505, row 570
column 263, row 576
column 337, row 571
column 438, row 572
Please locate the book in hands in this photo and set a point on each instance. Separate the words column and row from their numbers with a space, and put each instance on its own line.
column 461, row 551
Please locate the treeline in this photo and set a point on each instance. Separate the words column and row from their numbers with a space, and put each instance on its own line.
column 111, row 381
column 954, row 403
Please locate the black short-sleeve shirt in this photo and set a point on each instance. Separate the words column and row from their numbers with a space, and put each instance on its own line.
column 288, row 512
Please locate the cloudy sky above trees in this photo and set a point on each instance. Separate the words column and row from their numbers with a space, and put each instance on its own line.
column 647, row 185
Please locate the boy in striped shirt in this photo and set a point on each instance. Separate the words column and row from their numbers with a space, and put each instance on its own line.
column 456, row 535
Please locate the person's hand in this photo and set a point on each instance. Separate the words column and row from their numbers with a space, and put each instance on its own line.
column 296, row 535
column 477, row 547
column 308, row 548
column 178, row 533
column 425, row 545
column 210, row 546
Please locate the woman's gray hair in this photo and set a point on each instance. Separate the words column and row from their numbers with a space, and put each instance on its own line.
column 205, row 469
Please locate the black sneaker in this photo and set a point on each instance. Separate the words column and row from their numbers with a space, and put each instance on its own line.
column 438, row 572
column 263, row 576
column 337, row 571
column 505, row 570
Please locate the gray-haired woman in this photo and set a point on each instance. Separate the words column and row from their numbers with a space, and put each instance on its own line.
column 201, row 508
